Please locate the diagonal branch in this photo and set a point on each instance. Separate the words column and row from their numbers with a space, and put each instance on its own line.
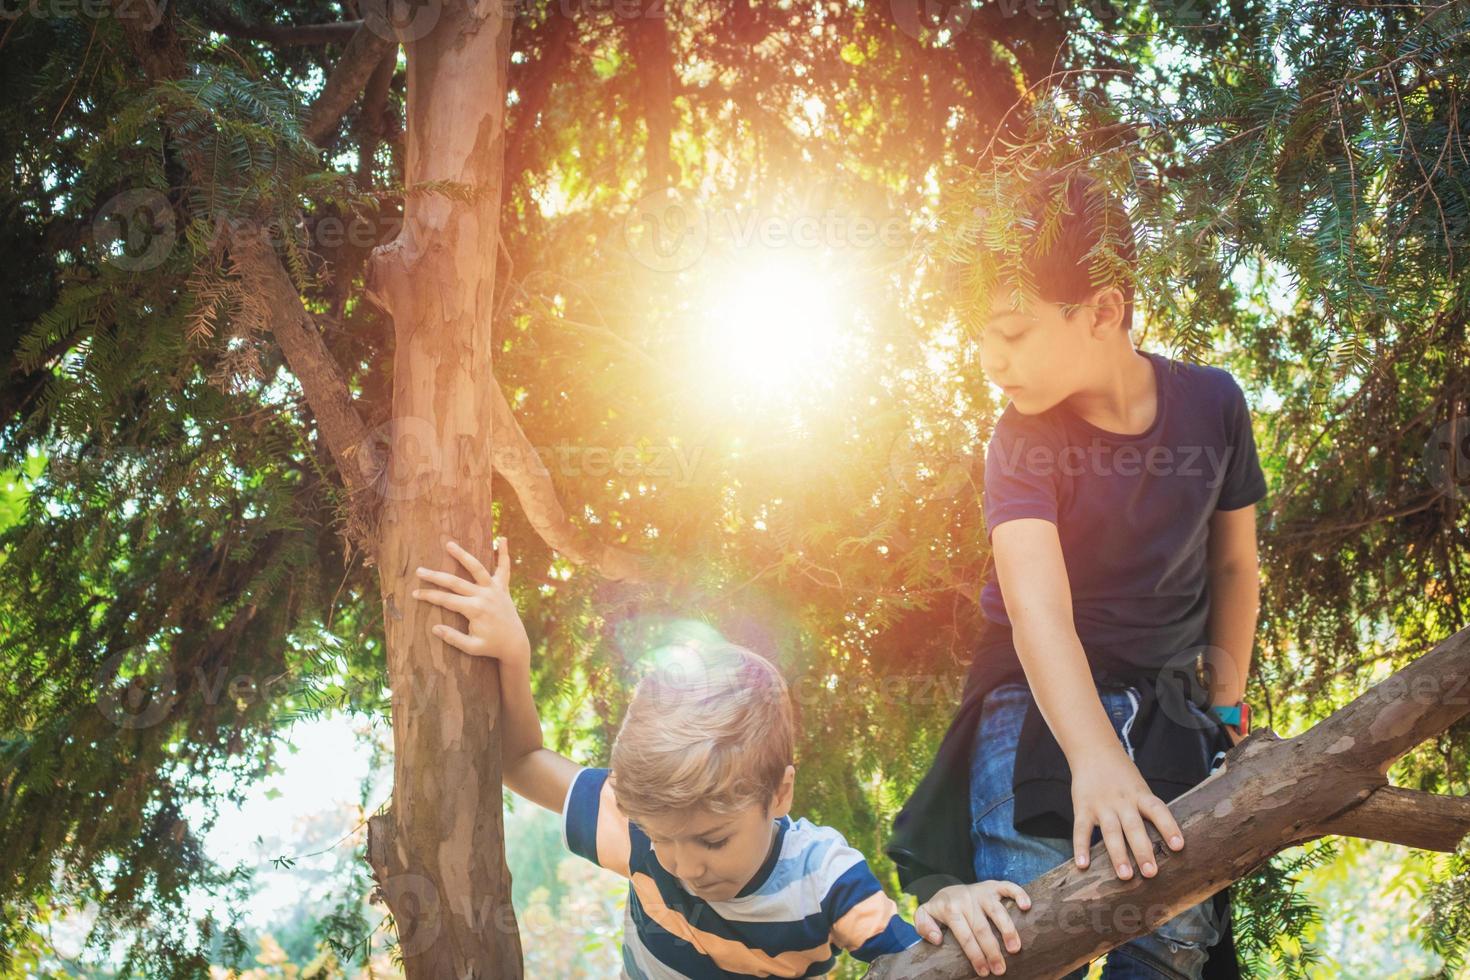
column 1270, row 794
column 342, row 429
column 517, row 460
column 364, row 52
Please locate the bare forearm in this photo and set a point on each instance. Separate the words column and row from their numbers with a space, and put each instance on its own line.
column 1061, row 681
column 528, row 768
column 520, row 725
column 1235, row 599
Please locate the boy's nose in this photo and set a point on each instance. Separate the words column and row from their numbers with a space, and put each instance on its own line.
column 682, row 866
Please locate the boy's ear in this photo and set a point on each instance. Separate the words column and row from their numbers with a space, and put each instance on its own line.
column 781, row 802
column 1107, row 311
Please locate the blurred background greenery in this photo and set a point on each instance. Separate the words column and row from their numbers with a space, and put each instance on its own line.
column 731, row 256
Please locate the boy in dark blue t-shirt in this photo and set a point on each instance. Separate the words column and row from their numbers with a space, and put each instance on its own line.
column 1121, row 606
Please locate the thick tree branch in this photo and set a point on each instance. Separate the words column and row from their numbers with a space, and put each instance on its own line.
column 218, row 17
column 1270, row 794
column 517, row 460
column 533, row 85
column 654, row 62
column 364, row 52
column 321, row 380
column 376, row 122
column 1408, row 817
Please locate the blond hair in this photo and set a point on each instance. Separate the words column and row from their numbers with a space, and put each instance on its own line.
column 709, row 728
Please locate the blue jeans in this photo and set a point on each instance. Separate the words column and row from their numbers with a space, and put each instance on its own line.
column 1177, row 949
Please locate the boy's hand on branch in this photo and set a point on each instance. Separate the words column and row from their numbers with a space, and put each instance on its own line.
column 495, row 628
column 1109, row 792
column 969, row 911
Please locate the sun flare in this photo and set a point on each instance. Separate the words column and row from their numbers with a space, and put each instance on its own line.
column 775, row 326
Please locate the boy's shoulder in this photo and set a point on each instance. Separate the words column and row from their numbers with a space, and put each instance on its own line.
column 1210, row 394
column 1206, row 390
column 817, row 853
column 1200, row 380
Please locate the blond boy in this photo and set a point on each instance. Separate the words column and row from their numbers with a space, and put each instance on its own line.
column 694, row 812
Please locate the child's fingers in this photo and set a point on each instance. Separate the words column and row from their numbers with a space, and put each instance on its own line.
column 1003, row 923
column 986, row 958
column 1016, row 893
column 1112, row 831
column 447, row 579
column 456, row 639
column 449, row 600
column 1160, row 816
column 502, row 562
column 965, row 936
column 471, row 562
column 1081, row 838
column 926, row 926
column 1139, row 843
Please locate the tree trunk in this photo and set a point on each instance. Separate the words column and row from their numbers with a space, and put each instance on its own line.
column 1271, row 793
column 438, row 853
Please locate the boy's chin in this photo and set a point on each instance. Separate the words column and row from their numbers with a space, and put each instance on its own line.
column 722, row 892
column 1029, row 402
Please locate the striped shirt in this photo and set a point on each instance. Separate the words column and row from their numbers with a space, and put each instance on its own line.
column 813, row 893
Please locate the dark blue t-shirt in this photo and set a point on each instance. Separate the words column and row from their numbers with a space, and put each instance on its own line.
column 1132, row 511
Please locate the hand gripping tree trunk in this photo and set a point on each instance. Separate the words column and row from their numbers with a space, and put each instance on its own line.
column 438, row 853
column 1270, row 794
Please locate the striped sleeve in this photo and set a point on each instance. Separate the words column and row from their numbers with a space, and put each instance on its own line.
column 865, row 921
column 592, row 825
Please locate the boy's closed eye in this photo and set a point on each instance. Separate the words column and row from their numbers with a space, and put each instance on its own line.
column 714, row 845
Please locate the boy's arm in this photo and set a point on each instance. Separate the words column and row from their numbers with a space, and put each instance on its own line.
column 529, row 769
column 864, row 920
column 1107, row 790
column 496, row 631
column 1235, row 600
column 1233, row 571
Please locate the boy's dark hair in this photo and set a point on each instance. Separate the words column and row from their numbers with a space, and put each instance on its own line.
column 1062, row 269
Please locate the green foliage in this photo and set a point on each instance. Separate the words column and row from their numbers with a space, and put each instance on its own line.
column 1269, row 913
column 1446, row 928
column 1295, row 174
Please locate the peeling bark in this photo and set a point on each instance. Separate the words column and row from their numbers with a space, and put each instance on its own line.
column 438, row 853
column 1270, row 794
